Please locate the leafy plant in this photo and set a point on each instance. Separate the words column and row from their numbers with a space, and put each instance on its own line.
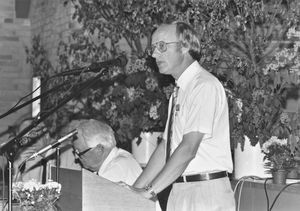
column 279, row 155
column 239, row 39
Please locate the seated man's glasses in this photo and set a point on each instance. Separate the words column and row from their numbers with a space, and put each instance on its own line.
column 161, row 47
column 79, row 154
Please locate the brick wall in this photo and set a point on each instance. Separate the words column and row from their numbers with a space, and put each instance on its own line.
column 47, row 18
column 52, row 21
column 15, row 73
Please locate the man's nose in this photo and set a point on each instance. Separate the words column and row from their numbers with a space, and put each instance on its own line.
column 155, row 53
column 76, row 156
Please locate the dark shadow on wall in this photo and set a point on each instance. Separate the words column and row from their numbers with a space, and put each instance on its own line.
column 22, row 8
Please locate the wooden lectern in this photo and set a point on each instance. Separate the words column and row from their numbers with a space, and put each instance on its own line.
column 86, row 191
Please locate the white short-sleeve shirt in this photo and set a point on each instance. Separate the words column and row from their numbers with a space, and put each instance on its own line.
column 201, row 106
column 120, row 166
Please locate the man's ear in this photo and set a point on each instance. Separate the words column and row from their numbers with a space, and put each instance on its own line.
column 185, row 47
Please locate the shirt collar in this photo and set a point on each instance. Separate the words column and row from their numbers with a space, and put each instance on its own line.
column 109, row 158
column 188, row 75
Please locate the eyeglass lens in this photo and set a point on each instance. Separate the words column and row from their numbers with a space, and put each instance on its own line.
column 161, row 47
column 83, row 152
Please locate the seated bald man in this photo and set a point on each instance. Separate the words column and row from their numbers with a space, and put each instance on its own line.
column 95, row 147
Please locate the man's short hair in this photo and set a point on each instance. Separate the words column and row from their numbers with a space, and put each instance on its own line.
column 94, row 129
column 188, row 37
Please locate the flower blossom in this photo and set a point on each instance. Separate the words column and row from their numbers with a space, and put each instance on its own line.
column 151, row 83
column 286, row 57
column 153, row 113
column 53, row 185
column 137, row 66
column 131, row 93
column 239, row 104
column 284, row 118
column 274, row 140
column 134, row 93
column 31, row 185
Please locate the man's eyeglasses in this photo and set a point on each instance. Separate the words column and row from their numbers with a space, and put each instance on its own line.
column 161, row 47
column 79, row 154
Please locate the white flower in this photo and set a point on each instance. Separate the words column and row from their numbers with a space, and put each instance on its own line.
column 286, row 56
column 53, row 185
column 151, row 83
column 31, row 185
column 273, row 141
column 284, row 118
column 137, row 66
column 134, row 93
column 153, row 110
column 239, row 104
column 96, row 105
column 131, row 93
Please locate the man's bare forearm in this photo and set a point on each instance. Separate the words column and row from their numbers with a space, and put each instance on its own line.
column 178, row 162
column 153, row 167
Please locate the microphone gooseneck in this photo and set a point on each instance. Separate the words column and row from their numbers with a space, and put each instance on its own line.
column 120, row 61
column 53, row 145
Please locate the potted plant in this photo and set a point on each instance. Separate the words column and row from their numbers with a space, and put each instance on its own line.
column 280, row 158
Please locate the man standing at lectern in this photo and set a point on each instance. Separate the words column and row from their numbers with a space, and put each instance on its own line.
column 95, row 147
column 195, row 154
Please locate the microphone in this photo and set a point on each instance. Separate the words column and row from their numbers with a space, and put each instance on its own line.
column 120, row 61
column 53, row 145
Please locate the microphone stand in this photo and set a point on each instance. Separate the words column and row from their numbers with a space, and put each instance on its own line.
column 13, row 142
column 35, row 98
column 9, row 185
column 57, row 163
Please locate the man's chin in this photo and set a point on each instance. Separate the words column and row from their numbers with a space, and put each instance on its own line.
column 163, row 71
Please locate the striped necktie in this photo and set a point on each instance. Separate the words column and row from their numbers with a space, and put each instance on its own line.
column 170, row 124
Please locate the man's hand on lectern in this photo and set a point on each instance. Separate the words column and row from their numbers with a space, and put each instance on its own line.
column 143, row 192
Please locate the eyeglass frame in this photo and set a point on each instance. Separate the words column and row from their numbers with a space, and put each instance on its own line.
column 154, row 46
column 80, row 154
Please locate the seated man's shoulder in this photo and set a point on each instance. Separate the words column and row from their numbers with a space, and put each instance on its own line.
column 125, row 160
column 123, row 157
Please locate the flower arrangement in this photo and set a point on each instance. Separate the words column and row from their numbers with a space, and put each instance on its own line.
column 34, row 196
column 238, row 42
column 278, row 154
column 256, row 112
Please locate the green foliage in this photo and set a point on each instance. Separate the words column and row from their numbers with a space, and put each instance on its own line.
column 239, row 38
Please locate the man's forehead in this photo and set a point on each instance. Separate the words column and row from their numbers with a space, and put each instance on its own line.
column 83, row 144
column 79, row 144
column 165, row 33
